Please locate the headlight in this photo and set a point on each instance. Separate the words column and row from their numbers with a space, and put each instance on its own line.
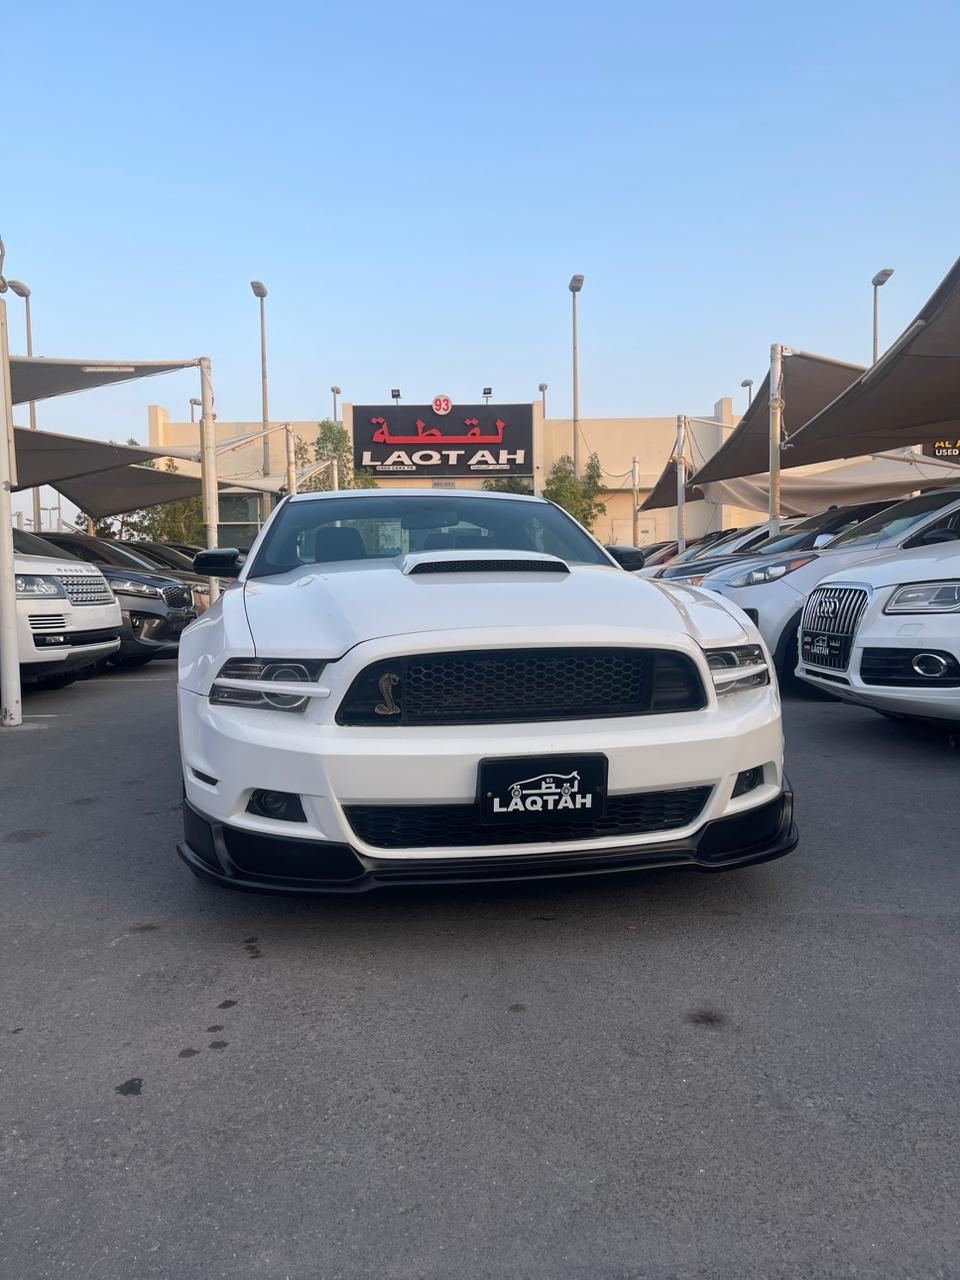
column 769, row 572
column 133, row 588
column 925, row 597
column 259, row 673
column 742, row 667
column 34, row 585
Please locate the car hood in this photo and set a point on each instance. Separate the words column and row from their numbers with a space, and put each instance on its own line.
column 923, row 564
column 113, row 573
column 325, row 612
column 52, row 565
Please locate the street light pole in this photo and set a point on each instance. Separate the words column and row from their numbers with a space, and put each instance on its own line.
column 21, row 290
column 336, row 392
column 878, row 281
column 542, row 388
column 260, row 292
column 748, row 383
column 194, row 404
column 575, row 285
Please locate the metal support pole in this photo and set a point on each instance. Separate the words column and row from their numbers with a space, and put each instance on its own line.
column 208, row 465
column 291, row 462
column 11, row 712
column 776, row 431
column 876, row 323
column 576, row 391
column 264, row 500
column 334, row 474
column 681, row 483
column 635, row 486
column 35, row 493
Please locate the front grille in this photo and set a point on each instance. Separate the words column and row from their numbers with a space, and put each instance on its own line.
column 177, row 597
column 86, row 588
column 514, row 686
column 894, row 667
column 428, row 826
column 47, row 621
column 831, row 616
column 490, row 566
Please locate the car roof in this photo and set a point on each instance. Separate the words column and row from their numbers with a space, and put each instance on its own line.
column 415, row 493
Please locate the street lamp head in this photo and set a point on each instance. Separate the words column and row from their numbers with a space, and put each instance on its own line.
column 19, row 288
column 395, row 393
column 259, row 289
column 542, row 386
column 880, row 278
column 747, row 382
column 487, row 391
column 336, row 391
column 194, row 400
column 576, row 284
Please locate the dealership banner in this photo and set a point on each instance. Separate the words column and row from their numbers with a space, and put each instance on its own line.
column 946, row 450
column 444, row 439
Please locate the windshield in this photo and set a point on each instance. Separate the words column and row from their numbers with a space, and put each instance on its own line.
column 167, row 557
column 720, row 547
column 895, row 520
column 378, row 527
column 123, row 558
column 29, row 544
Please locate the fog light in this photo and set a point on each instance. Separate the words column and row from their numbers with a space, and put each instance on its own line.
column 748, row 780
column 280, row 805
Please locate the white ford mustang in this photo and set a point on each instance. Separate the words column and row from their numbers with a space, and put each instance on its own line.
column 416, row 687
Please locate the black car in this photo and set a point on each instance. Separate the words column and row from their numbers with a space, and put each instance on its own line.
column 156, row 607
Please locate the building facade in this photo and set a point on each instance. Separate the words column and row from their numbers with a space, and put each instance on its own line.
column 412, row 446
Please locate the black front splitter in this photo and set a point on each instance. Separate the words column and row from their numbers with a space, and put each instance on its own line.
column 263, row 863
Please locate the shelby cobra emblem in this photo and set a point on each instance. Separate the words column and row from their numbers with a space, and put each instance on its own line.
column 549, row 792
column 387, row 683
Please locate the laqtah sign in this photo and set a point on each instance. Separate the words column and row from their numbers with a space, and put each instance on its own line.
column 467, row 440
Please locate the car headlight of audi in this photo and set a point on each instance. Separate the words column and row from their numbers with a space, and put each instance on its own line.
column 35, row 586
column 925, row 597
column 126, row 588
column 738, row 667
column 773, row 572
column 246, row 682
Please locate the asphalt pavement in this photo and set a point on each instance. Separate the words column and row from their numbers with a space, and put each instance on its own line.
column 667, row 1076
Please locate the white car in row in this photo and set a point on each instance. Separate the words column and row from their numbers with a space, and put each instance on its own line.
column 68, row 618
column 362, row 709
column 772, row 590
column 886, row 634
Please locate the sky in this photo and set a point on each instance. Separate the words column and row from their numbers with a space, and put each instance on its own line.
column 416, row 182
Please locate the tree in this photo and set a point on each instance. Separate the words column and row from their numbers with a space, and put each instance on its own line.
column 332, row 443
column 508, row 484
column 581, row 497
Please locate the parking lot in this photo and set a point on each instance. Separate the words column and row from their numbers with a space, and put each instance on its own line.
column 670, row 1075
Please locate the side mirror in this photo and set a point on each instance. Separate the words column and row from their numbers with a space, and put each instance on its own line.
column 630, row 558
column 933, row 536
column 220, row 562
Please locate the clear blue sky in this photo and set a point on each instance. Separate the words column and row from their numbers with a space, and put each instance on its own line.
column 416, row 182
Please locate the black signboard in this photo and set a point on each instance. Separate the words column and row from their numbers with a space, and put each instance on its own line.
column 470, row 440
column 948, row 450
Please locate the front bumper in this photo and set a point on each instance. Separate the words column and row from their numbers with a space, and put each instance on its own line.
column 241, row 859
column 56, row 636
column 146, row 631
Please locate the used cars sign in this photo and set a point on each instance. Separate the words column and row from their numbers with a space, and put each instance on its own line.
column 464, row 440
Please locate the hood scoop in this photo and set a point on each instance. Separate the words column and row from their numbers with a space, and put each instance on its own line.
column 481, row 562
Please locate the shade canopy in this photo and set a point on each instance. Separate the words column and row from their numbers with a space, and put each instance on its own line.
column 809, row 383
column 664, row 492
column 44, row 457
column 123, row 489
column 814, row 488
column 910, row 396
column 40, row 377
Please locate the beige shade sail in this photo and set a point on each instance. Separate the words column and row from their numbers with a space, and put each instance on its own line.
column 809, row 383
column 811, row 489
column 910, row 396
column 40, row 377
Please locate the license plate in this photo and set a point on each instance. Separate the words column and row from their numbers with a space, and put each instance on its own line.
column 821, row 650
column 534, row 789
